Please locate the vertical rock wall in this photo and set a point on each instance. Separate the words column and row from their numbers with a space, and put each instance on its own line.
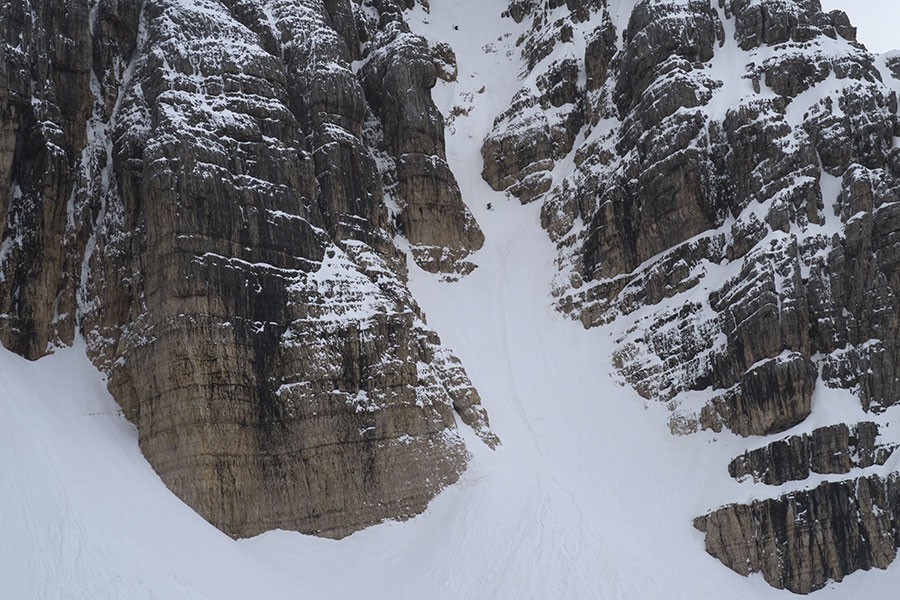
column 190, row 186
column 45, row 90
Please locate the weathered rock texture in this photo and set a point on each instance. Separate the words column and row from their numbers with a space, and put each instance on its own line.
column 835, row 449
column 732, row 205
column 802, row 540
column 193, row 188
column 397, row 79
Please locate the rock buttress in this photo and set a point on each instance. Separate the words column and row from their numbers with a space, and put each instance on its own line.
column 194, row 181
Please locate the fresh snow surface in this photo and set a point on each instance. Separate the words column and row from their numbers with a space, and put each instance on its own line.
column 588, row 497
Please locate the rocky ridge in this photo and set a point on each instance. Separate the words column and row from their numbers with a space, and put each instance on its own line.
column 208, row 193
column 720, row 179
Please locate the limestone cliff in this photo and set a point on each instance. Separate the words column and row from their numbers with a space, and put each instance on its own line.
column 210, row 193
column 196, row 189
column 721, row 180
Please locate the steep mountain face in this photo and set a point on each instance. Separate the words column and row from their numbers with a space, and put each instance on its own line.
column 208, row 193
column 722, row 179
column 219, row 196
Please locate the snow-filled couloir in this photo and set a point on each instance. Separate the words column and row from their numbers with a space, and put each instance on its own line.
column 656, row 239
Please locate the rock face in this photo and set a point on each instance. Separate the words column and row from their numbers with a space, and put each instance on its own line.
column 194, row 188
column 208, row 193
column 802, row 540
column 46, row 100
column 827, row 450
column 397, row 79
column 721, row 181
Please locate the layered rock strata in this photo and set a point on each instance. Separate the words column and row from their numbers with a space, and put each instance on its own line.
column 835, row 449
column 397, row 78
column 720, row 179
column 192, row 188
column 802, row 540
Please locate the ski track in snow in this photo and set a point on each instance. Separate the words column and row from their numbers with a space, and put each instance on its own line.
column 589, row 495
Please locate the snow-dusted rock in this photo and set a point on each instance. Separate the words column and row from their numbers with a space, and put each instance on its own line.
column 398, row 74
column 195, row 191
column 801, row 540
column 826, row 450
column 45, row 100
column 728, row 199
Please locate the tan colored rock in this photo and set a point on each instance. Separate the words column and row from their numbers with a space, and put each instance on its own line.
column 772, row 396
column 398, row 78
column 217, row 230
column 802, row 540
column 835, row 449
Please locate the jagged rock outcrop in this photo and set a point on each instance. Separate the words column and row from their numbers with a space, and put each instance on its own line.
column 835, row 449
column 802, row 540
column 211, row 192
column 538, row 128
column 397, row 78
column 731, row 208
column 192, row 187
column 772, row 396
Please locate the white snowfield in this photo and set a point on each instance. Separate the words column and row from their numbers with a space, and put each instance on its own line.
column 588, row 497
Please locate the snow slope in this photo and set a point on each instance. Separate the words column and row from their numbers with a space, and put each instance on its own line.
column 588, row 497
column 82, row 514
